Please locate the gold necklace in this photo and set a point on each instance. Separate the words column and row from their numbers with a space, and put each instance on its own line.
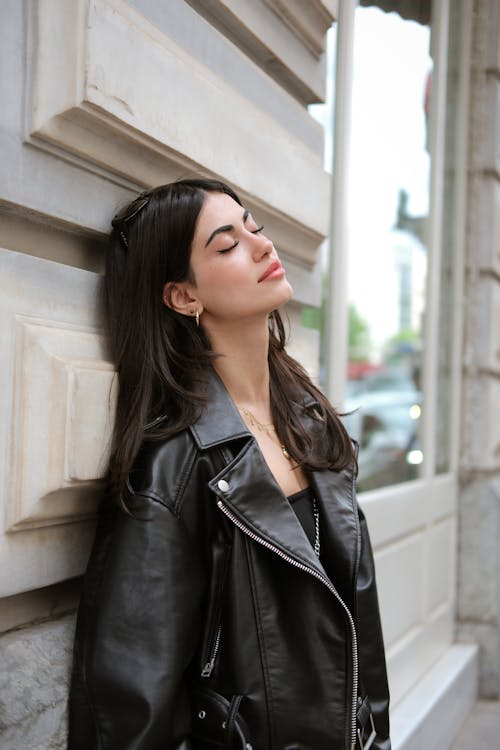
column 270, row 430
column 267, row 428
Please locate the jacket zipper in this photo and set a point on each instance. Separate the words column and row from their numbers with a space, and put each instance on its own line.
column 330, row 587
column 208, row 668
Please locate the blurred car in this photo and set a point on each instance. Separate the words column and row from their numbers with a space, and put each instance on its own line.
column 386, row 425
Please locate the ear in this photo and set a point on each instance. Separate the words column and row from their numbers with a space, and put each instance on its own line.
column 179, row 297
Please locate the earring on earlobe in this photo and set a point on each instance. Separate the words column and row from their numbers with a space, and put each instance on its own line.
column 198, row 318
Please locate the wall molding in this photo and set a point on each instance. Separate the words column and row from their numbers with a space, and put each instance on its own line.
column 59, row 372
column 308, row 21
column 286, row 40
column 167, row 117
column 56, row 401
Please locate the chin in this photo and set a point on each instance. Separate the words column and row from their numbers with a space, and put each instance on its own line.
column 287, row 293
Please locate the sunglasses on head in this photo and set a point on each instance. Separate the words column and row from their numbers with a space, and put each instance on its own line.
column 125, row 216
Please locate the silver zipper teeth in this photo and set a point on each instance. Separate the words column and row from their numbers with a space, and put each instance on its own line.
column 331, row 588
column 207, row 669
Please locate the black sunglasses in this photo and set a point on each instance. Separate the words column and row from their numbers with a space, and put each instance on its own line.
column 123, row 217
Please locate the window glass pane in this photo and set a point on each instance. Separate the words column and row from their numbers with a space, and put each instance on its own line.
column 388, row 219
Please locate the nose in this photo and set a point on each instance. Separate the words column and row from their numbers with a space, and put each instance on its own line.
column 262, row 246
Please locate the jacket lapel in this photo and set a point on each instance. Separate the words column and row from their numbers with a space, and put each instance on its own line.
column 339, row 523
column 248, row 488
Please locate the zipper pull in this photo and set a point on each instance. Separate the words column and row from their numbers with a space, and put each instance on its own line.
column 207, row 669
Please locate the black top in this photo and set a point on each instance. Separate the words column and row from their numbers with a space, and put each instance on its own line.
column 302, row 505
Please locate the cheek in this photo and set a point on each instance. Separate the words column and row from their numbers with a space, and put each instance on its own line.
column 225, row 288
column 218, row 294
column 224, row 277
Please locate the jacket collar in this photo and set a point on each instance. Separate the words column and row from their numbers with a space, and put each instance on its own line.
column 220, row 420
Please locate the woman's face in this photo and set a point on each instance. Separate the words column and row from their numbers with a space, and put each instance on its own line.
column 236, row 267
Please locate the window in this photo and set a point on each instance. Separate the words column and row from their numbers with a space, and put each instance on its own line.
column 387, row 244
column 394, row 241
column 393, row 304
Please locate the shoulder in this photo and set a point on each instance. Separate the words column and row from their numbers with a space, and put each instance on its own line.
column 161, row 468
column 171, row 471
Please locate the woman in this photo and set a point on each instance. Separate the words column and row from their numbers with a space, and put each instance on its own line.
column 230, row 599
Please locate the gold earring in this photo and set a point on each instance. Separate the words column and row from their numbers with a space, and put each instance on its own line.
column 197, row 318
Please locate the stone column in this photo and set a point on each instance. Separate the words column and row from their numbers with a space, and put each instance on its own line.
column 479, row 499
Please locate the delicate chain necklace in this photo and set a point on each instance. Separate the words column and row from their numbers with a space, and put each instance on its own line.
column 268, row 429
column 315, row 509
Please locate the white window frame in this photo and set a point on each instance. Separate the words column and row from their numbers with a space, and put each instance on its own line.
column 409, row 521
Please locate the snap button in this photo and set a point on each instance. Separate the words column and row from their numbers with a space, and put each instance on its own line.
column 223, row 485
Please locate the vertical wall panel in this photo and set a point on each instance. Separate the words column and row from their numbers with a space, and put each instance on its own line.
column 53, row 355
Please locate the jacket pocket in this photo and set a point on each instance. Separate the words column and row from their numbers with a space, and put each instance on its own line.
column 217, row 724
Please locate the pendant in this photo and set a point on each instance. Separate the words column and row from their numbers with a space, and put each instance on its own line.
column 285, row 452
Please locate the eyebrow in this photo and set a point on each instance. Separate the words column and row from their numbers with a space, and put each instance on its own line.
column 226, row 228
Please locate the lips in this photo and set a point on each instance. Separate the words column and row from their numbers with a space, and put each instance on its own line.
column 274, row 270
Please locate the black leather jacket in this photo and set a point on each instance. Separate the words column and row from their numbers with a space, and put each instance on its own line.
column 207, row 621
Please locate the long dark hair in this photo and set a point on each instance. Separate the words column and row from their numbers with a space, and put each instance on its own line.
column 162, row 356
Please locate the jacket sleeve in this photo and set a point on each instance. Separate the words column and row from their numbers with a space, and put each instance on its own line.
column 371, row 645
column 137, row 631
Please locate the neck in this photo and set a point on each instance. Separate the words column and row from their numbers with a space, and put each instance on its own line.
column 243, row 365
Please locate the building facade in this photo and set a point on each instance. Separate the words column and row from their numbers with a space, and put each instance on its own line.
column 103, row 98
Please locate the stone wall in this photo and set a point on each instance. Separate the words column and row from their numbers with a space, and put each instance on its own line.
column 34, row 674
column 479, row 501
column 220, row 88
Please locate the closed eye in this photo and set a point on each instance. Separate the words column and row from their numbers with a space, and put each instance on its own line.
column 227, row 249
